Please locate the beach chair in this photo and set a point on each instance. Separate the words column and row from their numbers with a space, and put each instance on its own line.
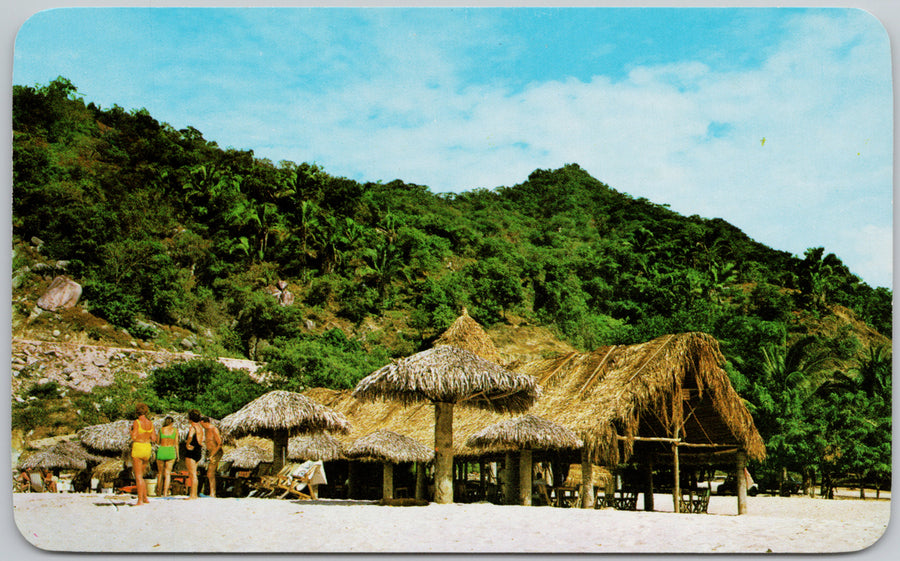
column 306, row 476
column 269, row 485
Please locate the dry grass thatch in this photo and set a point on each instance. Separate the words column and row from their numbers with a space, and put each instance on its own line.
column 467, row 334
column 108, row 437
column 525, row 433
column 67, row 454
column 108, row 470
column 248, row 453
column 450, row 375
column 388, row 446
column 316, row 447
column 600, row 394
column 282, row 411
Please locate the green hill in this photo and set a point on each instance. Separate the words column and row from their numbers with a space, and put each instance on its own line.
column 176, row 239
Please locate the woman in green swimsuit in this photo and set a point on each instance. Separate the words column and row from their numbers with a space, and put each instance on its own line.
column 166, row 455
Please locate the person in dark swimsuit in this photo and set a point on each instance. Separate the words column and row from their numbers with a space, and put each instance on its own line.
column 194, row 451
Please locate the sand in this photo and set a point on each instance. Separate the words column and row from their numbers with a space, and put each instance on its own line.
column 109, row 523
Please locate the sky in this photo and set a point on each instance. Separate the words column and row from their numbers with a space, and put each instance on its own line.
column 779, row 121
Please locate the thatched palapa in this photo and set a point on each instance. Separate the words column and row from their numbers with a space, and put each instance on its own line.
column 389, row 446
column 526, row 432
column 67, row 454
column 316, row 447
column 279, row 415
column 248, row 453
column 446, row 375
column 107, row 437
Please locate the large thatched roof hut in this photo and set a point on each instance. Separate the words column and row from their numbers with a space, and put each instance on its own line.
column 446, row 375
column 466, row 333
column 279, row 415
column 643, row 401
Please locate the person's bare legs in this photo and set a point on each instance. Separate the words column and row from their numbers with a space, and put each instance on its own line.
column 211, row 475
column 160, row 467
column 192, row 478
column 138, row 467
column 167, row 466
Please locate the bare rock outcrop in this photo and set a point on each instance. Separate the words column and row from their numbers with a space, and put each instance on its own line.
column 63, row 293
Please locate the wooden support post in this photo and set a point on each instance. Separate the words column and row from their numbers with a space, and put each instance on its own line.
column 525, row 477
column 482, row 487
column 387, row 481
column 509, row 479
column 420, row 481
column 587, row 480
column 676, row 487
column 443, row 457
column 741, row 482
column 648, row 494
column 351, row 480
column 280, row 441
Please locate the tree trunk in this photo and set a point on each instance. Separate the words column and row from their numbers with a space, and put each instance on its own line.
column 587, row 480
column 525, row 477
column 443, row 457
column 509, row 479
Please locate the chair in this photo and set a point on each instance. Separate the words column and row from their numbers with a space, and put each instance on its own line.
column 307, row 475
column 270, row 484
column 626, row 500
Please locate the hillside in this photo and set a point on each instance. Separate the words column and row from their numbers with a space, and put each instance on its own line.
column 175, row 245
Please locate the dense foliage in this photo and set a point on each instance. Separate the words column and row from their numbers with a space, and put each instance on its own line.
column 160, row 225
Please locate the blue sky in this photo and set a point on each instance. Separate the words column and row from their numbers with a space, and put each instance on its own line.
column 668, row 104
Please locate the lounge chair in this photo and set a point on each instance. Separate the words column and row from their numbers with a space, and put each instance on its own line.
column 268, row 485
column 307, row 475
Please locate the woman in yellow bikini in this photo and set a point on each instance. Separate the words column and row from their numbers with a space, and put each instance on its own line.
column 142, row 434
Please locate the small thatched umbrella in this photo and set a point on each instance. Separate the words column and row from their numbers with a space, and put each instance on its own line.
column 446, row 375
column 67, row 454
column 248, row 453
column 279, row 415
column 108, row 437
column 524, row 434
column 316, row 447
column 390, row 448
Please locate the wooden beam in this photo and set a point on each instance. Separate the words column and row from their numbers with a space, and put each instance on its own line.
column 676, row 441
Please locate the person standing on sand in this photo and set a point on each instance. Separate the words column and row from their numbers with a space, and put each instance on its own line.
column 166, row 455
column 193, row 451
column 142, row 434
column 213, row 452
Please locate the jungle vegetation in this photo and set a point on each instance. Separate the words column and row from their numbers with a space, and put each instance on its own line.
column 163, row 227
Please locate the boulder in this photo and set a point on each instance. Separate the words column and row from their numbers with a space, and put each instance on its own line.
column 63, row 293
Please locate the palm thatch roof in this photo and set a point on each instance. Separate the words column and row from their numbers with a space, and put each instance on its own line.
column 526, row 432
column 107, row 437
column 466, row 333
column 316, row 447
column 67, row 454
column 625, row 390
column 280, row 410
column 108, row 470
column 449, row 374
column 388, row 446
column 248, row 452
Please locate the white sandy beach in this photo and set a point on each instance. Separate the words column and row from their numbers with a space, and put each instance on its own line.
column 108, row 523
